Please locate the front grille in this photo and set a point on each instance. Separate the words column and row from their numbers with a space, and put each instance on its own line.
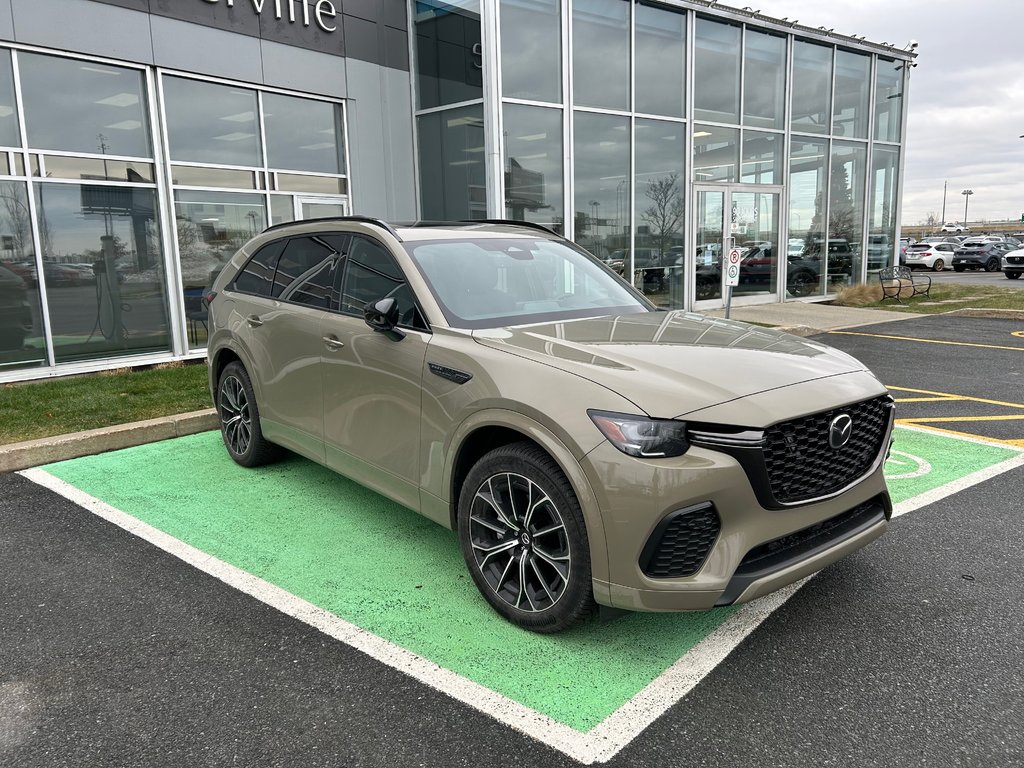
column 800, row 463
column 681, row 543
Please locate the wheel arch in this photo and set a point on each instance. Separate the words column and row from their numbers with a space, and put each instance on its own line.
column 485, row 431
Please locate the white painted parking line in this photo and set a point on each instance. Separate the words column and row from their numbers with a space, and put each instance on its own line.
column 597, row 745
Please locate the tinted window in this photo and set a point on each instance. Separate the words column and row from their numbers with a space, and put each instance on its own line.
column 371, row 274
column 303, row 257
column 306, row 271
column 257, row 277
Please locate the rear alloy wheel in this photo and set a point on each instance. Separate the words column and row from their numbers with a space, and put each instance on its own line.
column 938, row 265
column 992, row 265
column 240, row 419
column 524, row 541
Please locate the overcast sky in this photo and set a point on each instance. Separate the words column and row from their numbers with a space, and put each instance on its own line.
column 966, row 96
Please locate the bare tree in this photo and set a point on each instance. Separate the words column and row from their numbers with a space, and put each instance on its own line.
column 665, row 213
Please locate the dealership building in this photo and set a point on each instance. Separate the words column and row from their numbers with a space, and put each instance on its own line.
column 143, row 141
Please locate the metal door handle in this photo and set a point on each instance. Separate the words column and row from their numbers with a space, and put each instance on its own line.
column 333, row 343
column 253, row 321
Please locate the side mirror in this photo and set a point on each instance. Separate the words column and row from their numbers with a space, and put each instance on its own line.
column 382, row 316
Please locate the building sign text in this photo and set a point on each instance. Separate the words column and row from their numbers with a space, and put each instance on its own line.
column 309, row 11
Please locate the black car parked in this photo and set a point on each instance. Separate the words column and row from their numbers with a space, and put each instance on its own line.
column 977, row 256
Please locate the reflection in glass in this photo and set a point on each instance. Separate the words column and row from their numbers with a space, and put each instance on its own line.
column 22, row 340
column 211, row 226
column 658, row 214
column 103, row 270
column 282, row 209
column 715, row 153
column 602, row 161
column 716, row 88
column 10, row 134
column 533, row 165
column 710, row 225
column 660, row 61
column 61, row 167
column 846, row 203
column 303, row 134
column 807, row 169
column 452, row 176
column 754, row 226
column 812, row 87
column 325, row 185
column 82, row 106
column 195, row 176
column 531, row 49
column 885, row 169
column 600, row 58
column 211, row 123
column 762, row 155
column 853, row 81
column 449, row 56
column 764, row 80
column 888, row 100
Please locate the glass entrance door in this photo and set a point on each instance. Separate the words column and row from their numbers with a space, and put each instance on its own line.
column 744, row 218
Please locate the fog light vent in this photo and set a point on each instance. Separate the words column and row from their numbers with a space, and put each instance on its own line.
column 681, row 542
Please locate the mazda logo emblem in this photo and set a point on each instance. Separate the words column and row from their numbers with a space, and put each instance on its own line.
column 839, row 431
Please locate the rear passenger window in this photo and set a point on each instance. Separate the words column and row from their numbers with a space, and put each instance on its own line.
column 305, row 262
column 257, row 276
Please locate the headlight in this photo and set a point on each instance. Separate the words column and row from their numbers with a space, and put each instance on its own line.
column 640, row 436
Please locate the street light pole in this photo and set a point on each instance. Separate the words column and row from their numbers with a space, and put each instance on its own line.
column 967, row 198
column 943, row 219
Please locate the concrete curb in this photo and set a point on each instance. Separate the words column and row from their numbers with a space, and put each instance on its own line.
column 46, row 450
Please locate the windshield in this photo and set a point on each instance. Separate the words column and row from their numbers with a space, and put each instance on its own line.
column 489, row 283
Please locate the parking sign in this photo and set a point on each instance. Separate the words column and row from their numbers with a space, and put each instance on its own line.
column 732, row 269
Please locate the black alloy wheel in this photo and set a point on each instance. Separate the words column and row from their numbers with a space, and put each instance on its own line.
column 992, row 265
column 1013, row 275
column 240, row 420
column 524, row 541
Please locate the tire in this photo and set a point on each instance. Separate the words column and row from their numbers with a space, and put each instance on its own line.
column 801, row 283
column 533, row 567
column 240, row 419
column 938, row 265
column 958, row 269
column 992, row 265
column 1013, row 275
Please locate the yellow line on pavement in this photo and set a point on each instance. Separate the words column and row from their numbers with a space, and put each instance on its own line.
column 926, row 341
column 955, row 433
column 939, row 419
column 958, row 397
column 928, row 399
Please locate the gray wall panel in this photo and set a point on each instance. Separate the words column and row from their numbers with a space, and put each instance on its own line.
column 194, row 48
column 240, row 18
column 6, row 20
column 380, row 136
column 302, row 70
column 84, row 27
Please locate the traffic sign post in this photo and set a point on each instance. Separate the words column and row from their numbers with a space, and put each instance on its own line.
column 732, row 276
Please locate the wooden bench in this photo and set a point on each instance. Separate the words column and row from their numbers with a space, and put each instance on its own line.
column 895, row 280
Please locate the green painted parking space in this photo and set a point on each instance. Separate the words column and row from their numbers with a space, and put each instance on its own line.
column 393, row 573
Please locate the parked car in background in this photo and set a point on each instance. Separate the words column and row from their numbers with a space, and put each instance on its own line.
column 1013, row 263
column 936, row 256
column 977, row 256
column 647, row 261
column 587, row 447
column 952, row 226
column 15, row 313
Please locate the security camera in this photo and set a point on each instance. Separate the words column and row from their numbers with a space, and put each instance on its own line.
column 913, row 44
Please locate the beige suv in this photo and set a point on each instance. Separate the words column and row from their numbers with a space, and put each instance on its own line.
column 587, row 447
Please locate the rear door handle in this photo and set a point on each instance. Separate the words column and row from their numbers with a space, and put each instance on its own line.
column 333, row 343
column 254, row 321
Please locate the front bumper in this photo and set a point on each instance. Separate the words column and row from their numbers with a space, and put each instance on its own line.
column 756, row 548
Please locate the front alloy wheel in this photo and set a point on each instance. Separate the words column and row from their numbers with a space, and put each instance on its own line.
column 524, row 541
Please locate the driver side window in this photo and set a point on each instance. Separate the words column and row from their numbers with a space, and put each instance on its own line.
column 371, row 274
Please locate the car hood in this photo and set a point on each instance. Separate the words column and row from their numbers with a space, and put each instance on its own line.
column 670, row 364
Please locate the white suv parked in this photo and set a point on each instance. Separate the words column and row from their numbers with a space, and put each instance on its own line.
column 952, row 226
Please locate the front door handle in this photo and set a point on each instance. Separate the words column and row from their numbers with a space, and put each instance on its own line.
column 254, row 321
column 333, row 343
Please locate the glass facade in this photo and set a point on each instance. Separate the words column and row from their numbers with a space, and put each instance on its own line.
column 90, row 257
column 609, row 129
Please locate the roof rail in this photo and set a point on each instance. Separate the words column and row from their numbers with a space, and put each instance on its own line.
column 514, row 222
column 363, row 219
